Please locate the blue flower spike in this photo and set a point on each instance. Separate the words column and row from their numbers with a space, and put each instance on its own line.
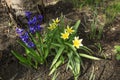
column 19, row 31
column 33, row 25
column 28, row 14
column 40, row 18
column 24, row 36
column 33, row 21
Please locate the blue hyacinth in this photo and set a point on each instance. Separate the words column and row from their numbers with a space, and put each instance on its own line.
column 19, row 31
column 40, row 18
column 32, row 21
column 28, row 14
column 25, row 37
column 33, row 25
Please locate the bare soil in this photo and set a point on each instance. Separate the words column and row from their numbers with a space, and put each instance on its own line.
column 105, row 69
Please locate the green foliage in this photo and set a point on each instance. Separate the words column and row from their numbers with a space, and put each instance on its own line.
column 91, row 2
column 112, row 10
column 81, row 3
column 96, row 27
column 60, row 42
column 33, row 57
column 66, row 52
column 117, row 51
column 76, row 3
column 92, row 75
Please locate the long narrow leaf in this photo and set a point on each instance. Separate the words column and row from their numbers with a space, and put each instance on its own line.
column 70, row 58
column 57, row 55
column 46, row 53
column 86, row 49
column 74, row 64
column 72, row 48
column 55, row 75
column 32, row 52
column 92, row 75
column 77, row 65
column 117, row 48
column 20, row 57
column 55, row 66
column 89, row 57
column 57, row 45
column 26, row 47
column 76, row 25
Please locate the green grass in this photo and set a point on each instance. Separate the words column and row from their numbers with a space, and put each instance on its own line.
column 112, row 10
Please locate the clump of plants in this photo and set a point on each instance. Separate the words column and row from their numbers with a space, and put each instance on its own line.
column 117, row 51
column 57, row 40
column 96, row 26
column 76, row 3
column 81, row 3
column 112, row 10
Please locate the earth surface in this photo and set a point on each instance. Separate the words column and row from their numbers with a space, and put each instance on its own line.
column 108, row 68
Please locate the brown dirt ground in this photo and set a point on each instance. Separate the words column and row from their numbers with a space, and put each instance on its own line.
column 105, row 69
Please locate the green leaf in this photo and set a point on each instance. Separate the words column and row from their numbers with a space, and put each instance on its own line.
column 55, row 75
column 77, row 65
column 76, row 25
column 88, row 56
column 70, row 58
column 20, row 57
column 55, row 66
column 118, row 56
column 27, row 51
column 86, row 49
column 33, row 53
column 38, row 36
column 32, row 38
column 40, row 45
column 117, row 48
column 92, row 75
column 72, row 48
column 24, row 45
column 55, row 44
column 57, row 55
column 74, row 64
column 46, row 53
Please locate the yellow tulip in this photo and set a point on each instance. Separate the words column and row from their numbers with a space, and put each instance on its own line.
column 65, row 35
column 77, row 42
column 69, row 30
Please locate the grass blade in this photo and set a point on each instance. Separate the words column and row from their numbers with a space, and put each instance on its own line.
column 57, row 55
column 89, row 57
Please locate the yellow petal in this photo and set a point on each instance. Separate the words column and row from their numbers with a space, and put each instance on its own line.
column 69, row 30
column 77, row 42
column 56, row 20
column 65, row 35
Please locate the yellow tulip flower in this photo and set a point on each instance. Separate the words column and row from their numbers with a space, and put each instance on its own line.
column 56, row 20
column 69, row 30
column 65, row 35
column 77, row 42
column 52, row 26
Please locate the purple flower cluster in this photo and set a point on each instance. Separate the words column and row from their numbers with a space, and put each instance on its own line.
column 33, row 25
column 25, row 37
